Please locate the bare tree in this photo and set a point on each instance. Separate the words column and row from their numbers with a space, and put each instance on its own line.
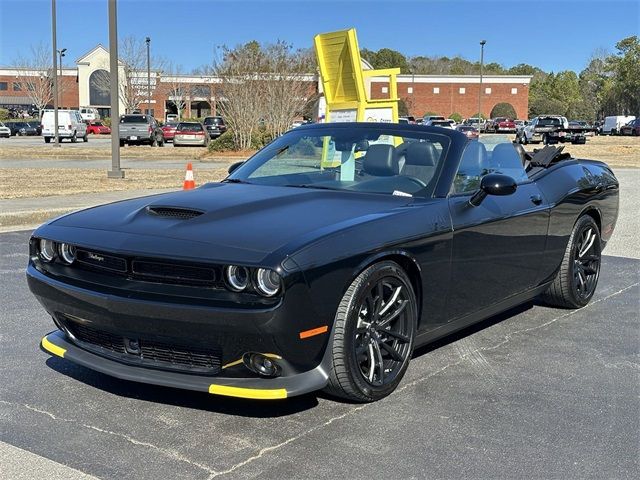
column 35, row 73
column 269, row 85
column 178, row 91
column 287, row 85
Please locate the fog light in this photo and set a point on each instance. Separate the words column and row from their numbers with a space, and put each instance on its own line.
column 47, row 250
column 68, row 253
column 261, row 364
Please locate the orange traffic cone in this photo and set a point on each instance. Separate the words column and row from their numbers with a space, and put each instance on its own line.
column 189, row 183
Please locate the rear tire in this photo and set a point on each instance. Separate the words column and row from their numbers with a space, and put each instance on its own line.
column 85, row 139
column 47, row 139
column 577, row 277
column 122, row 143
column 74, row 138
column 373, row 334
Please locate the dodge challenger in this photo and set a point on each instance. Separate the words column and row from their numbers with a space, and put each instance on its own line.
column 321, row 262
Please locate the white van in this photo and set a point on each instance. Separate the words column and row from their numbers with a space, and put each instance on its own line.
column 613, row 124
column 89, row 114
column 70, row 125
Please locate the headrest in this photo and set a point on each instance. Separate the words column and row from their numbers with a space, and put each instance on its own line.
column 421, row 153
column 381, row 161
column 474, row 158
column 505, row 155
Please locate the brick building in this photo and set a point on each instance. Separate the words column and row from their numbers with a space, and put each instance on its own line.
column 448, row 94
column 81, row 86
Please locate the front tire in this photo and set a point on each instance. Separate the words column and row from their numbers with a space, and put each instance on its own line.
column 577, row 278
column 74, row 138
column 373, row 334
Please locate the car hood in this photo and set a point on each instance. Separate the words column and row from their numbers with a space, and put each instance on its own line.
column 238, row 221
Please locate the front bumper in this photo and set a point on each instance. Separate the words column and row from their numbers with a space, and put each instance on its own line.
column 56, row 344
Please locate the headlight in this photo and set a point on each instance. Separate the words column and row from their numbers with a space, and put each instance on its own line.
column 47, row 250
column 237, row 277
column 68, row 253
column 267, row 282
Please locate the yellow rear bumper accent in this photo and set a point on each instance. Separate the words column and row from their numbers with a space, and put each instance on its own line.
column 51, row 348
column 248, row 392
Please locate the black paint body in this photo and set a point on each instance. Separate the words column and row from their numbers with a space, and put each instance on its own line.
column 466, row 263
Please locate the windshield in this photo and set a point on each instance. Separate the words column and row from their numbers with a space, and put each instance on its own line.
column 364, row 158
column 213, row 121
column 189, row 127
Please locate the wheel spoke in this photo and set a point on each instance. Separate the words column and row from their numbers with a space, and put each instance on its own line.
column 388, row 305
column 391, row 351
column 372, row 363
column 588, row 242
column 390, row 317
column 380, row 362
column 391, row 333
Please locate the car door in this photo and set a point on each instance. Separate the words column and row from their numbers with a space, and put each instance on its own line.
column 497, row 245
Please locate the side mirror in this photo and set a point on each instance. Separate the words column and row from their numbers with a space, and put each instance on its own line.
column 493, row 184
column 233, row 167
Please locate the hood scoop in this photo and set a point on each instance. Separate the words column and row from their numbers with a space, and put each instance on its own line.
column 179, row 213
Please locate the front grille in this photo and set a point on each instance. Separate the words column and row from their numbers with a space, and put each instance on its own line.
column 150, row 352
column 151, row 270
column 102, row 261
column 175, row 212
column 169, row 272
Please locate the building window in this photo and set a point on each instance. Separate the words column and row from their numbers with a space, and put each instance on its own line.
column 3, row 85
column 514, row 91
column 487, row 91
column 99, row 88
column 410, row 90
column 385, row 89
column 17, row 86
column 462, row 90
column 436, row 90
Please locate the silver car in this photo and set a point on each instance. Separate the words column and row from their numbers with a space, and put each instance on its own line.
column 190, row 133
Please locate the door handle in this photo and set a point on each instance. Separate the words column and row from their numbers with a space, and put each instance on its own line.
column 536, row 199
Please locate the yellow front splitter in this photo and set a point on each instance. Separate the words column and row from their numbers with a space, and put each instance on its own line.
column 253, row 393
column 51, row 348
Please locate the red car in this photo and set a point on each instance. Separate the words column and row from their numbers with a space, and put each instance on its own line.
column 98, row 128
column 469, row 131
column 501, row 124
column 631, row 128
column 169, row 130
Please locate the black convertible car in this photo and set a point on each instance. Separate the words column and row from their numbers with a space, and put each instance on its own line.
column 322, row 262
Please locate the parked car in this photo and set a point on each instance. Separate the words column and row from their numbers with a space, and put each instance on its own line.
column 410, row 120
column 583, row 125
column 89, row 114
column 551, row 129
column 98, row 128
column 287, row 277
column 631, row 128
column 137, row 129
column 438, row 123
column 470, row 131
column 190, row 134
column 4, row 131
column 173, row 118
column 169, row 131
column 614, row 123
column 21, row 129
column 427, row 118
column 215, row 126
column 70, row 125
column 500, row 124
column 520, row 124
column 480, row 124
column 37, row 126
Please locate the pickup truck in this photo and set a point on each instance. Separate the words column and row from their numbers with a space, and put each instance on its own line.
column 138, row 129
column 551, row 129
column 500, row 124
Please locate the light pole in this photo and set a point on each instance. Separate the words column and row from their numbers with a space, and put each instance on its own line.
column 148, row 42
column 61, row 53
column 55, row 69
column 116, row 171
column 482, row 44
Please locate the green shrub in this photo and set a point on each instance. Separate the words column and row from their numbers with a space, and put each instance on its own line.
column 456, row 116
column 224, row 143
column 4, row 113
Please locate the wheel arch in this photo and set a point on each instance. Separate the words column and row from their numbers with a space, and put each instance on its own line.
column 594, row 213
column 408, row 264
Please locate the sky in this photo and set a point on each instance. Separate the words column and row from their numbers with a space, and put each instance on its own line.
column 553, row 35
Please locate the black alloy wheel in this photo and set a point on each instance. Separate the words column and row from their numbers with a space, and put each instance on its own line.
column 373, row 334
column 577, row 278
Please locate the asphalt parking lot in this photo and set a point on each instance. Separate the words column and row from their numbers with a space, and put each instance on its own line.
column 94, row 141
column 533, row 393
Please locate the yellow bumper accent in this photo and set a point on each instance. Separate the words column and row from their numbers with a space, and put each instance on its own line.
column 253, row 393
column 51, row 348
